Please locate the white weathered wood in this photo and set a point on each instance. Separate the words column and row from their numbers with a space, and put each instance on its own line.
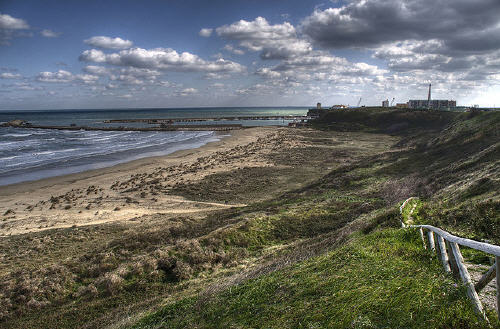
column 453, row 261
column 401, row 208
column 405, row 203
column 497, row 263
column 422, row 236
column 486, row 278
column 464, row 274
column 430, row 237
column 443, row 254
column 486, row 247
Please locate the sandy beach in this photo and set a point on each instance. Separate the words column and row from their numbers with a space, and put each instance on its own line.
column 130, row 190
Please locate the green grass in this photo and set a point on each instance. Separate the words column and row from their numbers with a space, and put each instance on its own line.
column 380, row 280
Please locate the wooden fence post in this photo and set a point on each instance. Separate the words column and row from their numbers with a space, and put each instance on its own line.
column 453, row 261
column 486, row 278
column 430, row 237
column 497, row 262
column 464, row 274
column 422, row 236
column 444, row 254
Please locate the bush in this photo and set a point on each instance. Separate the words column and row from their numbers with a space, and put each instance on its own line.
column 111, row 283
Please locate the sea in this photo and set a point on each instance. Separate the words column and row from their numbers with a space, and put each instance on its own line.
column 32, row 154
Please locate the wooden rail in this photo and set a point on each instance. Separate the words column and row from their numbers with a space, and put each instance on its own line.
column 448, row 251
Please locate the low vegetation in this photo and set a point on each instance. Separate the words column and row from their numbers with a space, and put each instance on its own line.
column 380, row 280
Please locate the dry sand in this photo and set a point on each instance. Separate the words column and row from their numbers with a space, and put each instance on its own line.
column 128, row 191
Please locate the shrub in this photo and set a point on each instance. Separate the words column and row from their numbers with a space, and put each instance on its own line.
column 111, row 283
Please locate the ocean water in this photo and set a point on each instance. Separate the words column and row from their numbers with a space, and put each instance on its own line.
column 31, row 154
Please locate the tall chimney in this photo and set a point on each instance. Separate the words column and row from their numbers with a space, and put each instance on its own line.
column 429, row 97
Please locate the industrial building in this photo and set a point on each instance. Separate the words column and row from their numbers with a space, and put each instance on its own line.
column 432, row 104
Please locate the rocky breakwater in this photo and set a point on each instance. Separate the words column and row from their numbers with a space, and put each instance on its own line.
column 16, row 123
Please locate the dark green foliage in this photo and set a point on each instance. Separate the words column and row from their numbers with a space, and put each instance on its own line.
column 391, row 121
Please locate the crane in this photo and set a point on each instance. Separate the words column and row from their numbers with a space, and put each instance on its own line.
column 359, row 102
column 392, row 102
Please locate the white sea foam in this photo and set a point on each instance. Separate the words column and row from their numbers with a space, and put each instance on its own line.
column 59, row 152
column 17, row 135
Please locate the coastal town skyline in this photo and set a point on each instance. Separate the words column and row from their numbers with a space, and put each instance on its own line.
column 56, row 55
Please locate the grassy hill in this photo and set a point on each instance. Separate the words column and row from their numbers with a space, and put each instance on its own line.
column 380, row 280
column 377, row 276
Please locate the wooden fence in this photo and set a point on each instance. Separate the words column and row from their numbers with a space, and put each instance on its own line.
column 446, row 247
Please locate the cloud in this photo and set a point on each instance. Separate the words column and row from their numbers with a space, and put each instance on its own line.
column 417, row 38
column 205, row 32
column 26, row 86
column 434, row 55
column 86, row 78
column 268, row 73
column 59, row 76
column 320, row 66
column 187, row 92
column 8, row 75
column 370, row 23
column 216, row 76
column 63, row 76
column 11, row 27
column 49, row 33
column 277, row 41
column 233, row 50
column 97, row 70
column 108, row 43
column 11, row 23
column 161, row 59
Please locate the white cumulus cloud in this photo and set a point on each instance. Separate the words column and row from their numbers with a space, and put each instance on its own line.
column 12, row 23
column 108, row 43
column 11, row 27
column 205, row 32
column 63, row 76
column 277, row 41
column 49, row 33
column 160, row 59
column 59, row 76
column 8, row 75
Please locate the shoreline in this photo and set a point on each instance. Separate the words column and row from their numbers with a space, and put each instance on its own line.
column 128, row 165
column 89, row 197
column 110, row 163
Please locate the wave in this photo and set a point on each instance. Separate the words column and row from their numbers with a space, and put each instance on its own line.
column 16, row 135
column 66, row 152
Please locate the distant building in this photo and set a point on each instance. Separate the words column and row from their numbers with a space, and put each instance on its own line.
column 402, row 105
column 318, row 106
column 433, row 104
column 338, row 107
column 385, row 103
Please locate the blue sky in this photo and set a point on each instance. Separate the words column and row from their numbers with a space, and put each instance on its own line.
column 114, row 54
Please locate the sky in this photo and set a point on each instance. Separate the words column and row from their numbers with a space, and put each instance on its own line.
column 142, row 54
